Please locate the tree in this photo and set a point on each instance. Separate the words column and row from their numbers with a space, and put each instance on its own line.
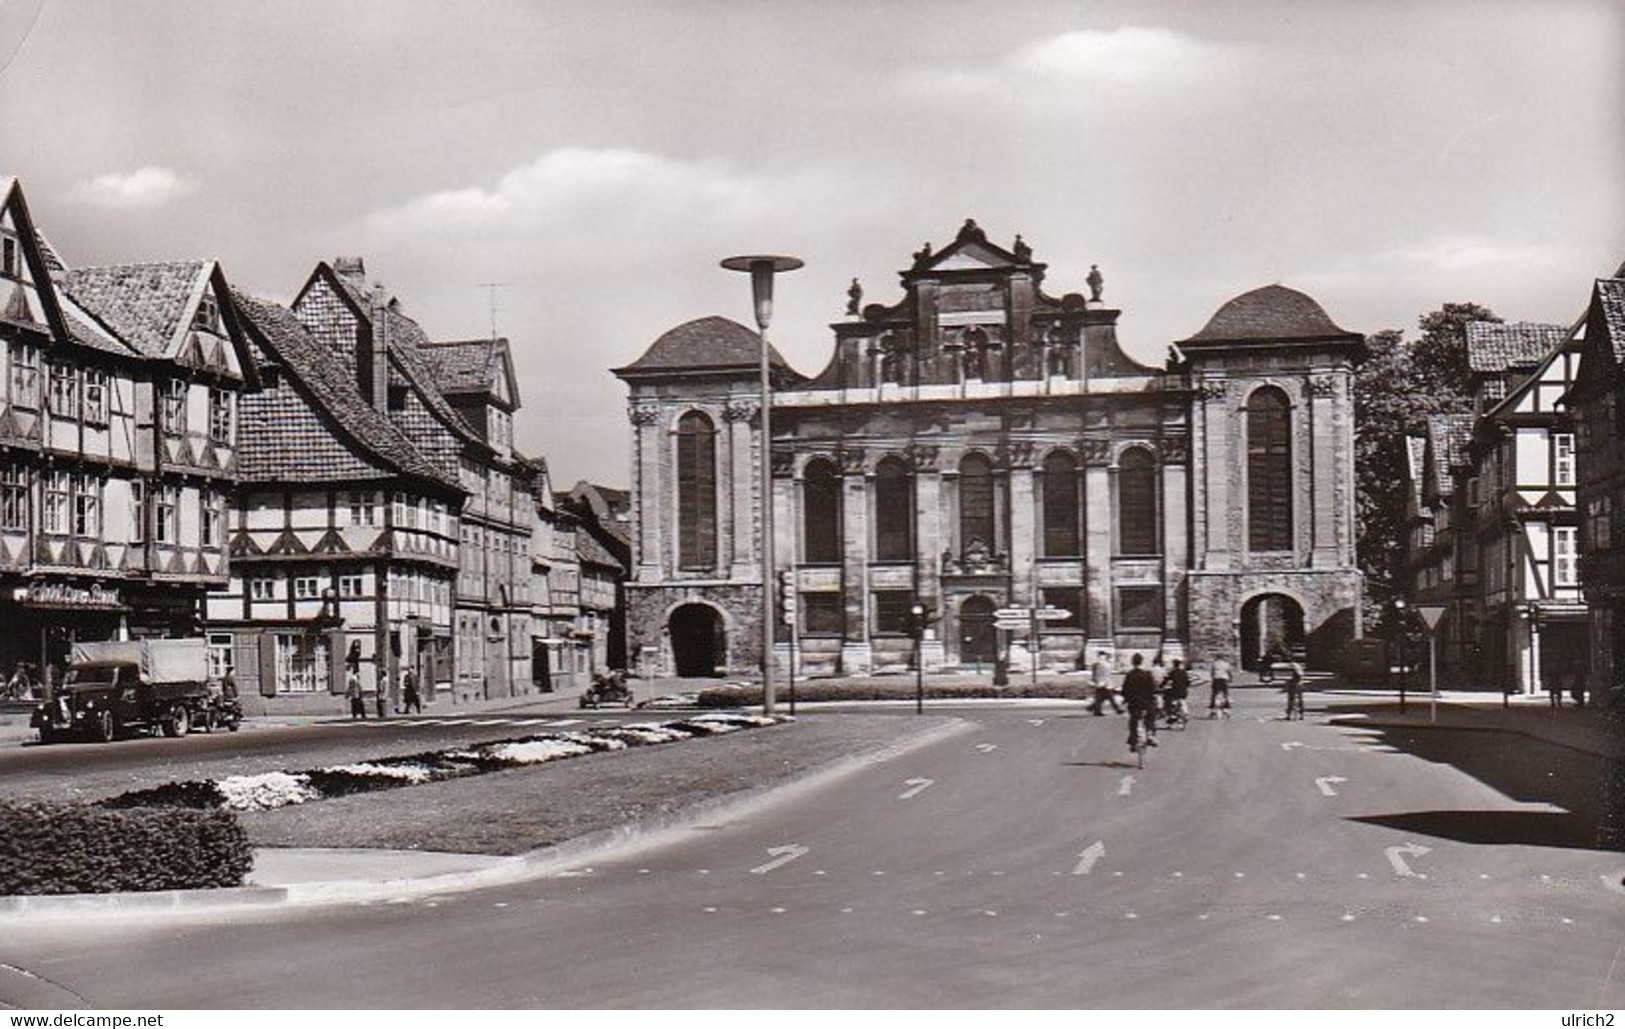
column 1396, row 388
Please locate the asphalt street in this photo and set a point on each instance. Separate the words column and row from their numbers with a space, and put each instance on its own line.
column 1252, row 863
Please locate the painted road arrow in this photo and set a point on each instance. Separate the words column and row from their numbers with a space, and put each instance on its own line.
column 1124, row 785
column 782, row 856
column 1088, row 856
column 1300, row 745
column 1035, row 721
column 1325, row 784
column 914, row 787
column 1396, row 857
column 987, row 748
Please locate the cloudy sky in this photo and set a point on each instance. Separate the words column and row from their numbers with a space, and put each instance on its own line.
column 598, row 158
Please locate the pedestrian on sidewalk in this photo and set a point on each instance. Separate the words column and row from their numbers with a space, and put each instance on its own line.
column 1294, row 690
column 382, row 700
column 1140, row 691
column 410, row 701
column 1555, row 689
column 352, row 689
column 1100, row 674
column 1218, row 703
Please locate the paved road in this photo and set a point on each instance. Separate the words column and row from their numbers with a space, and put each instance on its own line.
column 1253, row 863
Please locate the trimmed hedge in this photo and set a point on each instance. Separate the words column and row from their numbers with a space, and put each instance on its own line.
column 751, row 696
column 75, row 848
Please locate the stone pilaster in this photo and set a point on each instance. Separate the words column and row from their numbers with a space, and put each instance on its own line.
column 737, row 537
column 1097, row 550
column 855, row 656
column 1022, row 549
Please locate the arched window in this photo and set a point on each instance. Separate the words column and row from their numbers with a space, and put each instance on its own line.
column 696, row 492
column 821, row 513
column 894, row 511
column 1137, row 503
column 976, row 518
column 1060, row 505
column 1269, row 470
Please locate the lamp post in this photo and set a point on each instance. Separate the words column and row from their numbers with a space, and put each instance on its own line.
column 918, row 611
column 1399, row 638
column 762, row 268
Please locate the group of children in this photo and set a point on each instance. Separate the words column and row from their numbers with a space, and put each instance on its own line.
column 1162, row 690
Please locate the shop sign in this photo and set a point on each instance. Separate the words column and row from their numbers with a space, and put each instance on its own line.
column 92, row 597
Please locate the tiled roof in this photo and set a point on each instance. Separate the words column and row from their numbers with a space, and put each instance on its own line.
column 1271, row 312
column 709, row 342
column 1415, row 453
column 590, row 551
column 1499, row 346
column 1611, row 296
column 407, row 341
column 282, row 444
column 141, row 303
column 465, row 366
column 1448, row 436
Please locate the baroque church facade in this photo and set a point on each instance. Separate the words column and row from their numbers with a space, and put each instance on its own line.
column 981, row 444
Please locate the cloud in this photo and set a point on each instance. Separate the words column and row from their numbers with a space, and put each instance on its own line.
column 613, row 194
column 142, row 189
column 1068, row 67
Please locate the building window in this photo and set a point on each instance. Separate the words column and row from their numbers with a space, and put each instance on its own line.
column 138, row 511
column 174, row 407
column 262, row 589
column 1139, row 607
column 1061, row 522
column 1068, row 599
column 821, row 505
column 363, row 508
column 821, row 614
column 208, row 314
column 894, row 511
column 220, row 656
column 696, row 492
column 1563, row 459
column 164, row 527
column 95, row 394
column 1599, row 513
column 1137, row 534
column 14, row 498
column 893, row 612
column 351, row 586
column 24, row 375
column 306, row 587
column 302, row 663
column 1564, row 548
column 1269, row 470
column 11, row 256
column 58, row 494
column 87, row 507
column 977, row 520
column 209, row 515
column 64, row 398
column 220, row 411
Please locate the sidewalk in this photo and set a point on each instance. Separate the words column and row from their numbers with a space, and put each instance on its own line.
column 1583, row 729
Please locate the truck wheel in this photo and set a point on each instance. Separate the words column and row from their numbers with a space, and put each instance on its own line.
column 103, row 729
column 47, row 734
column 179, row 722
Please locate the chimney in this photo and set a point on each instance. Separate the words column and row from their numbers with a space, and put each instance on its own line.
column 350, row 267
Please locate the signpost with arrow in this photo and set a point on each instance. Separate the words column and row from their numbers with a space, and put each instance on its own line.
column 1030, row 620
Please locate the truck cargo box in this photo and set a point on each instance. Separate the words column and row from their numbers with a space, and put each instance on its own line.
column 160, row 660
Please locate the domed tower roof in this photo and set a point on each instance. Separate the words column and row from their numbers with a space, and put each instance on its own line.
column 1269, row 314
column 708, row 344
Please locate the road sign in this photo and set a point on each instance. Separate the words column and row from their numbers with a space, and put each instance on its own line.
column 1013, row 612
column 1431, row 613
column 1012, row 624
column 1052, row 614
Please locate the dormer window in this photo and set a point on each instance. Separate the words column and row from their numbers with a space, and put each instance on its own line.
column 11, row 256
column 208, row 314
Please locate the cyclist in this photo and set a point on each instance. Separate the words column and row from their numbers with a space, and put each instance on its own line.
column 1140, row 692
column 1177, row 690
column 1294, row 690
column 1219, row 703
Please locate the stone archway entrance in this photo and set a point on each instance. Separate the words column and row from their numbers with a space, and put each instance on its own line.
column 978, row 645
column 1270, row 621
column 699, row 643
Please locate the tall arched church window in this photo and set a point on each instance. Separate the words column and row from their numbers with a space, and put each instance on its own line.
column 894, row 511
column 1061, row 506
column 696, row 492
column 1269, row 470
column 821, row 517
column 1137, row 503
column 976, row 517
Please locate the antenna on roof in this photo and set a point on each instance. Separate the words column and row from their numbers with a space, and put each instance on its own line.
column 493, row 287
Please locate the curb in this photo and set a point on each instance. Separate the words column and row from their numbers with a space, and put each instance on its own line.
column 533, row 864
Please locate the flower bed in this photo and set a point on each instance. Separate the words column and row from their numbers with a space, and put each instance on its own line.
column 271, row 790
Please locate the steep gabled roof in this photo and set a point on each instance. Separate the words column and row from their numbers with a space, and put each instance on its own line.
column 475, row 366
column 1448, row 437
column 1270, row 313
column 1500, row 346
column 1611, row 302
column 704, row 344
column 143, row 304
column 279, row 448
column 17, row 308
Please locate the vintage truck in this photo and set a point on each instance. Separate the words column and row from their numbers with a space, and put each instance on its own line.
column 135, row 684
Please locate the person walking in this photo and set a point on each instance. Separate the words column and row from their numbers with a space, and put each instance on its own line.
column 1100, row 674
column 410, row 701
column 1140, row 691
column 1294, row 690
column 382, row 699
column 1218, row 704
column 352, row 690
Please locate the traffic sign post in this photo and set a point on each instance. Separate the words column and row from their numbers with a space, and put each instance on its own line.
column 1431, row 614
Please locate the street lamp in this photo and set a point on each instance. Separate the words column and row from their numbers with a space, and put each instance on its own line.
column 762, row 268
column 1399, row 647
column 918, row 611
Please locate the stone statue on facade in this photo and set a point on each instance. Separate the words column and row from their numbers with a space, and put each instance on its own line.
column 1023, row 252
column 922, row 255
column 854, row 299
column 1097, row 282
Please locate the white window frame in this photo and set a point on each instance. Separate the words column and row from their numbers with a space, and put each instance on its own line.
column 1565, row 551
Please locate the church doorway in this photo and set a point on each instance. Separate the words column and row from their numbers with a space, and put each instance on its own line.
column 699, row 644
column 977, row 643
column 1270, row 622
